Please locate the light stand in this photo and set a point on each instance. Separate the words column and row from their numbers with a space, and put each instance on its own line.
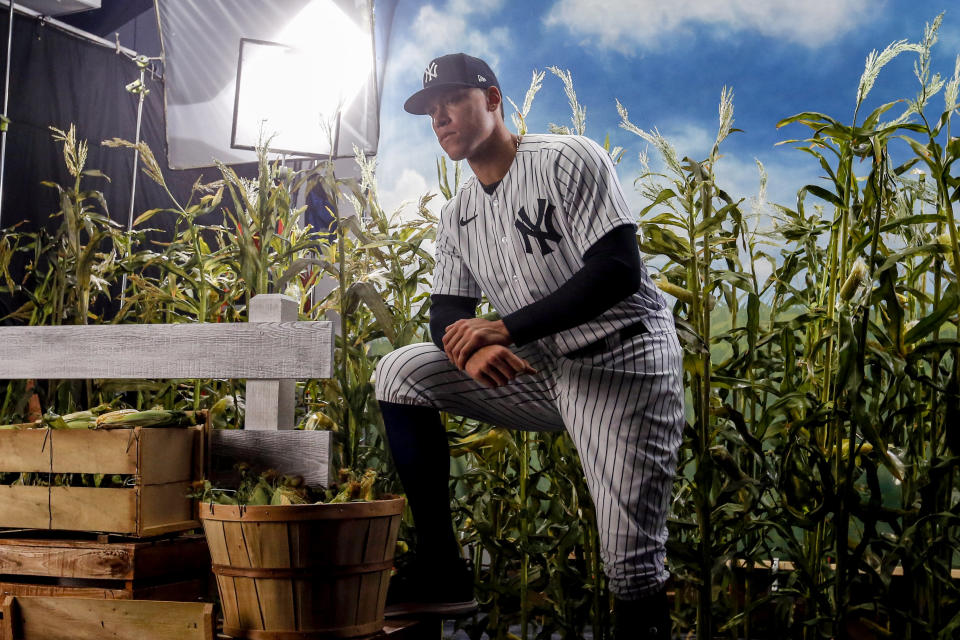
column 4, row 120
column 139, row 88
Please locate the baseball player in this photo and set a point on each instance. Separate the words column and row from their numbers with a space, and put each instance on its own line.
column 585, row 343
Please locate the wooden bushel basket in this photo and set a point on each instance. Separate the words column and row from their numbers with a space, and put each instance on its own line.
column 299, row 572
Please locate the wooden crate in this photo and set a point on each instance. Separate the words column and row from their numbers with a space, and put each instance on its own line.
column 170, row 569
column 44, row 618
column 191, row 590
column 161, row 461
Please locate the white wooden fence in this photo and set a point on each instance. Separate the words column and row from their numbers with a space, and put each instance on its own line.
column 271, row 352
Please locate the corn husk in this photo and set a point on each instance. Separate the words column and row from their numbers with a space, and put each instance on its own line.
column 262, row 494
column 126, row 418
column 485, row 443
column 366, row 485
column 678, row 292
column 20, row 425
column 318, row 421
column 944, row 239
column 287, row 495
column 86, row 415
column 858, row 274
column 221, row 412
column 350, row 491
column 864, row 448
column 54, row 421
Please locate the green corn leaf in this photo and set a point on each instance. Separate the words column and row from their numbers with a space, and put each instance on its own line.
column 368, row 294
column 95, row 173
column 663, row 196
column 898, row 257
column 874, row 116
column 707, row 226
column 940, row 314
column 146, row 215
column 823, row 194
column 753, row 320
column 351, row 223
column 663, row 241
column 915, row 219
column 809, row 118
column 297, row 267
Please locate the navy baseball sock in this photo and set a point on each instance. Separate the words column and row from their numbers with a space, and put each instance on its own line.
column 418, row 443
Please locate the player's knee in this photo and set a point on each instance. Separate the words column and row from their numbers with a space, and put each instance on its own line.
column 397, row 372
column 387, row 374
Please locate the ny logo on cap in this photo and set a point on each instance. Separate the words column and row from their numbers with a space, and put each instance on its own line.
column 430, row 73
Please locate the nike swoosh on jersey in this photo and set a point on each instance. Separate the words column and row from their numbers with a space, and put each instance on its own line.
column 465, row 221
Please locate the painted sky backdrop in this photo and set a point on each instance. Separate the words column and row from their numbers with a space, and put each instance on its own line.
column 667, row 62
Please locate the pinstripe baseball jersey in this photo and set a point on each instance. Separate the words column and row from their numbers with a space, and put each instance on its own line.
column 524, row 241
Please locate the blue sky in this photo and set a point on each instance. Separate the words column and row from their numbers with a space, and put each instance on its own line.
column 667, row 62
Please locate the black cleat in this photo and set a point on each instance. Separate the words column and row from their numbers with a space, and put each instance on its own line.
column 435, row 590
column 647, row 618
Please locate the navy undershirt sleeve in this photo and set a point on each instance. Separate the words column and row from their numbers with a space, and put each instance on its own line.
column 445, row 310
column 611, row 272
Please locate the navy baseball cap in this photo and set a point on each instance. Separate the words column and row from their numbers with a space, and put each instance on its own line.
column 453, row 70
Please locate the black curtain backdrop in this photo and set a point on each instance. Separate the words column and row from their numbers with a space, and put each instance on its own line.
column 57, row 79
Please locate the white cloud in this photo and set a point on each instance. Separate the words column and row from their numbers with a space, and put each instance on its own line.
column 690, row 139
column 468, row 7
column 438, row 30
column 404, row 193
column 628, row 25
column 948, row 43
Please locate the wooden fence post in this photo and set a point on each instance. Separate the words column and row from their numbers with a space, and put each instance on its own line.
column 271, row 403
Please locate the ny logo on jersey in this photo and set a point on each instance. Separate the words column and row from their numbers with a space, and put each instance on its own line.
column 541, row 229
column 430, row 73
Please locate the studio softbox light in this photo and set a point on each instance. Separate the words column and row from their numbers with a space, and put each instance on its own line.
column 309, row 63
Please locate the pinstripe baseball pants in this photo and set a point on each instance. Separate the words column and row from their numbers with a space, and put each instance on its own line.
column 623, row 409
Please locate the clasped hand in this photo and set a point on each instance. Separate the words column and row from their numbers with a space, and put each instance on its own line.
column 480, row 348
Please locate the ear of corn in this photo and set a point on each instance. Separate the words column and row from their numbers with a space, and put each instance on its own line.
column 125, row 418
column 88, row 414
column 221, row 412
column 318, row 421
column 272, row 488
column 120, row 419
column 858, row 274
column 350, row 491
column 261, row 494
column 21, row 425
column 944, row 240
column 112, row 417
column 680, row 293
column 366, row 485
column 288, row 495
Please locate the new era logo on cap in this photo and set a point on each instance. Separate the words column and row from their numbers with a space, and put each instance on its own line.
column 453, row 70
